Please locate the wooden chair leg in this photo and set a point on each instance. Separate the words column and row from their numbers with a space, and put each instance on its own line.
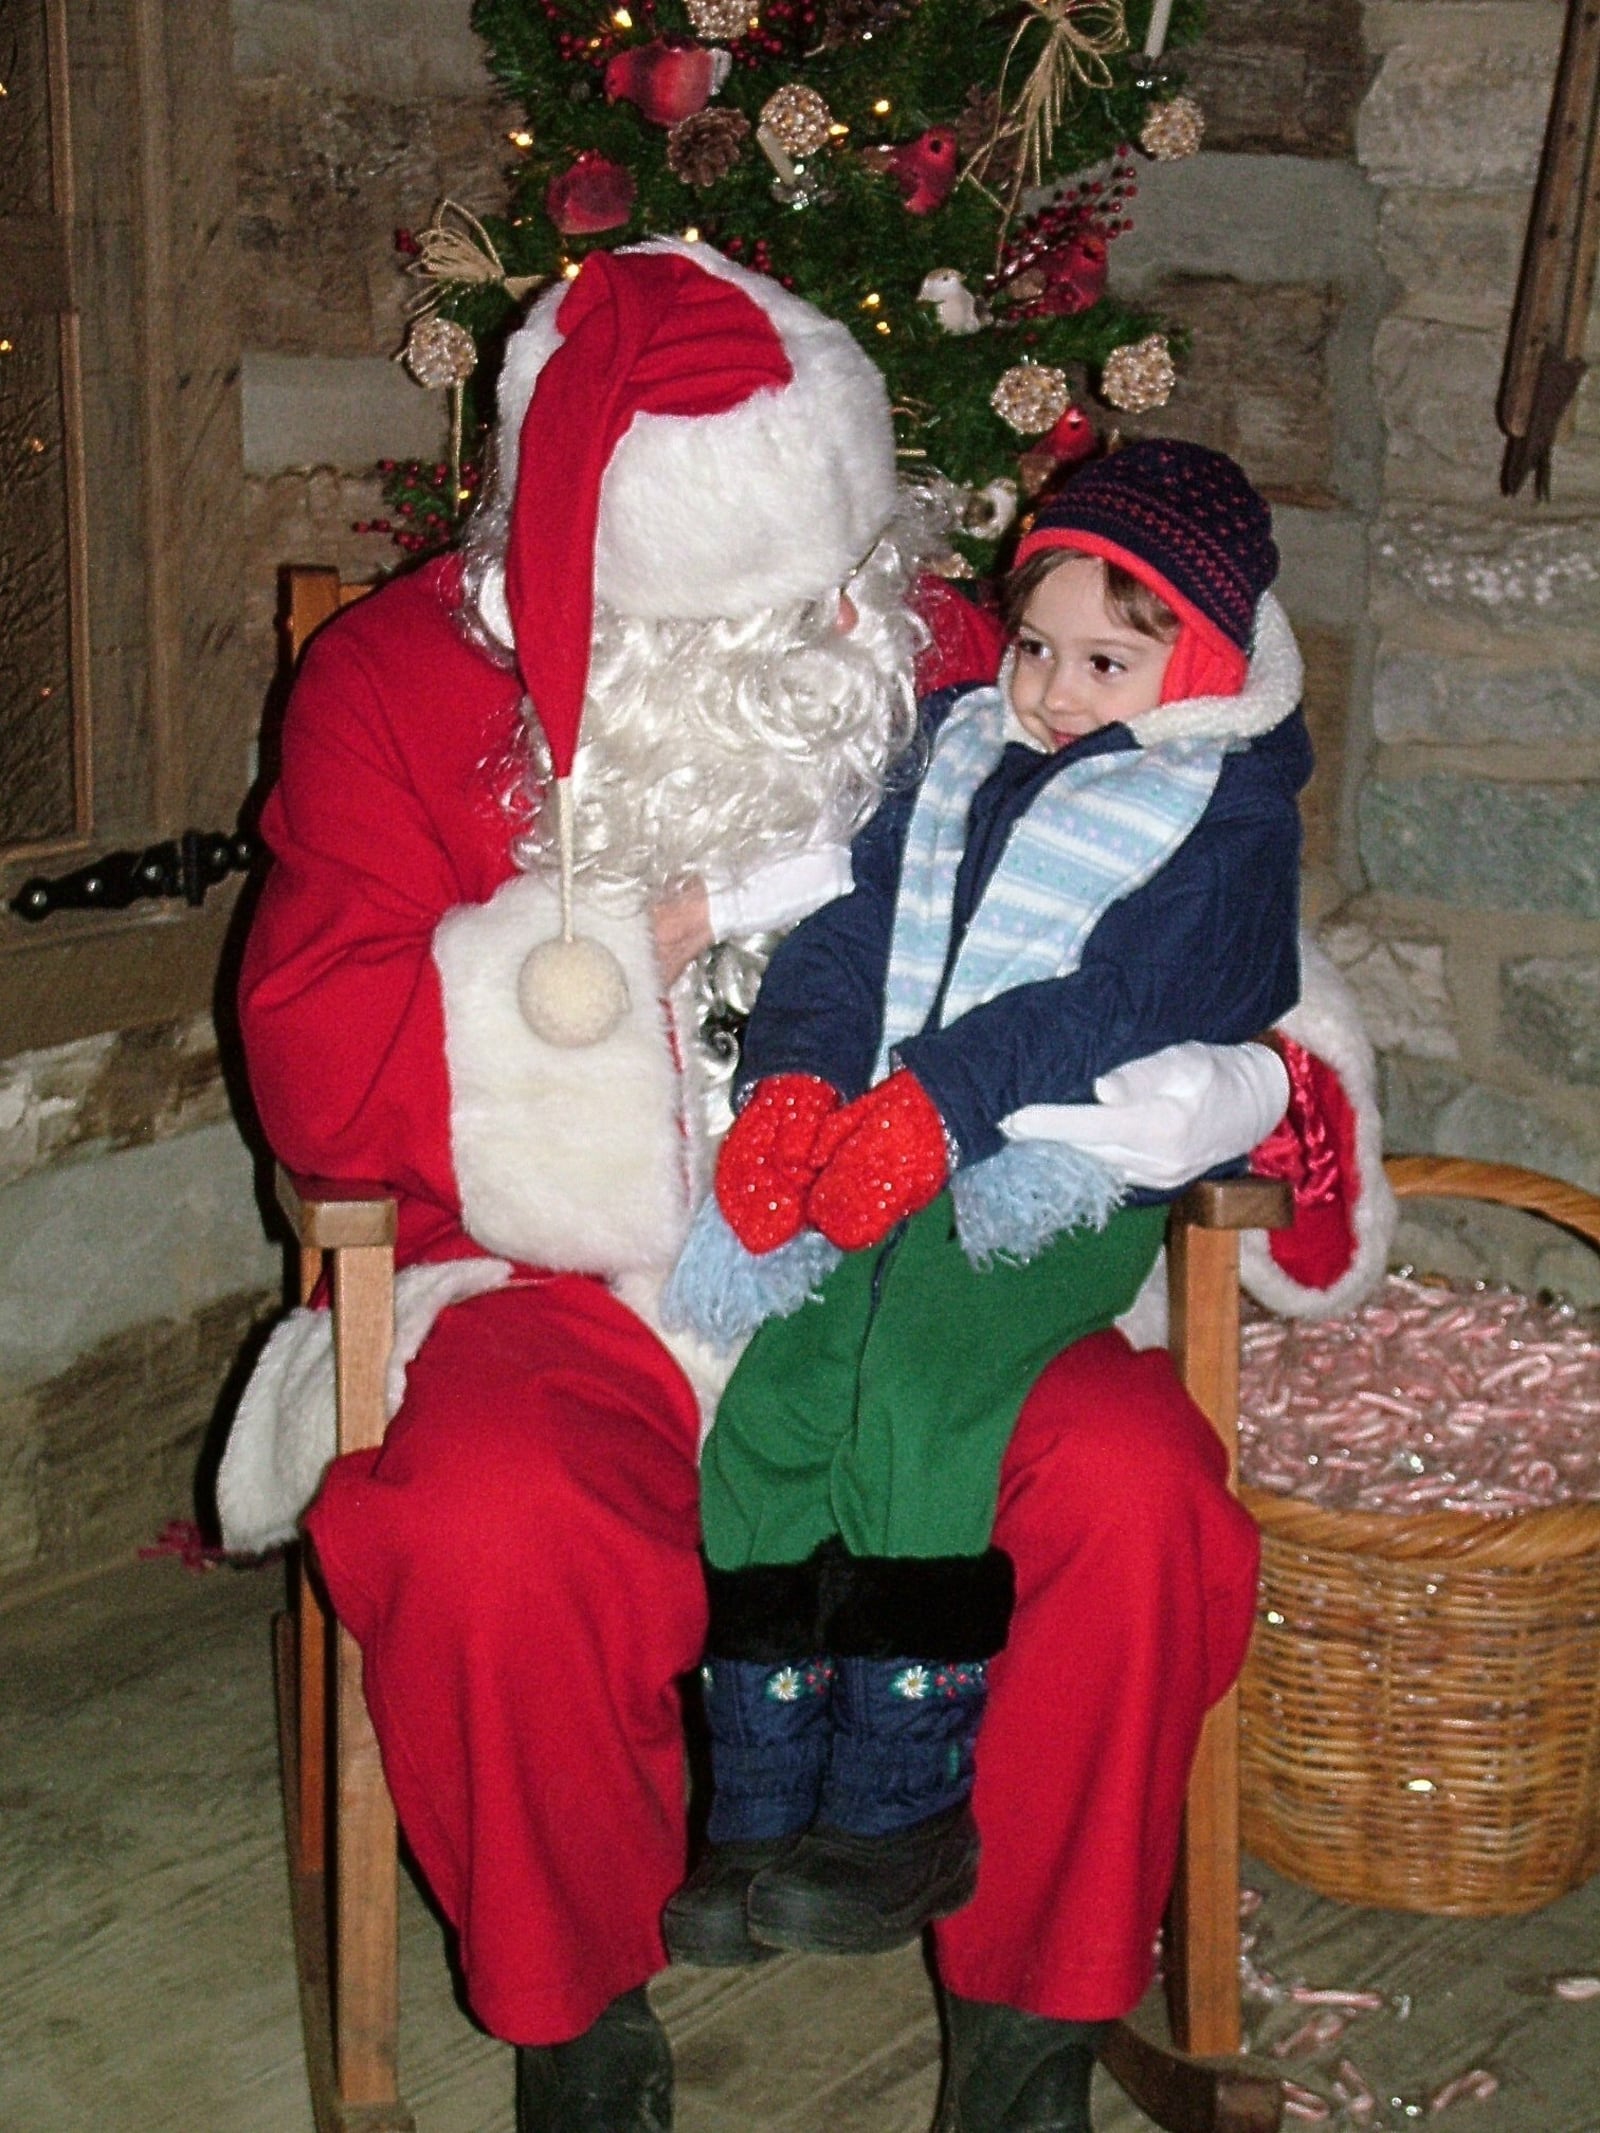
column 1203, row 1927
column 366, row 1999
column 1199, row 2084
column 313, row 1737
column 341, row 1829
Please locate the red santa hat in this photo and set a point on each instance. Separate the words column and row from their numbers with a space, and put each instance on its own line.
column 681, row 439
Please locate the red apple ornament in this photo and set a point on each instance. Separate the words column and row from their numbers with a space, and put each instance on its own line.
column 595, row 194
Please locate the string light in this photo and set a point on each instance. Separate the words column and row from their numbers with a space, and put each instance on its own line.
column 882, row 107
column 691, row 235
column 622, row 19
column 520, row 139
column 871, row 303
column 5, row 348
column 569, row 270
column 884, row 326
column 838, row 131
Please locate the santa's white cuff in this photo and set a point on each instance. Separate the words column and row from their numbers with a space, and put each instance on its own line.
column 779, row 893
column 568, row 1157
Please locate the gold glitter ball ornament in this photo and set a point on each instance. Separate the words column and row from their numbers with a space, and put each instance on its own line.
column 439, row 352
column 797, row 118
column 1032, row 397
column 716, row 19
column 1172, row 130
column 1139, row 375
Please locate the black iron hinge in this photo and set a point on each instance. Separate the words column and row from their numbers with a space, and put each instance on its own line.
column 185, row 866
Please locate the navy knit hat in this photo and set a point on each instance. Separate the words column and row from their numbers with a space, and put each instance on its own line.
column 1187, row 513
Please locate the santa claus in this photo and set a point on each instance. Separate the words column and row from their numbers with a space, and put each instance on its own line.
column 529, row 796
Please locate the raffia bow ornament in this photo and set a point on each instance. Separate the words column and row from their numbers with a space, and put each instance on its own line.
column 455, row 247
column 1080, row 37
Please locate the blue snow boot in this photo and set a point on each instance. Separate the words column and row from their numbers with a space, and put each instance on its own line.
column 894, row 1844
column 767, row 1714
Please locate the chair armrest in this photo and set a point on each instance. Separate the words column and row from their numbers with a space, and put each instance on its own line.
column 1235, row 1203
column 329, row 1214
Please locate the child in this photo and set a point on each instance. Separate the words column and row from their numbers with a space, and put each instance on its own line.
column 1099, row 858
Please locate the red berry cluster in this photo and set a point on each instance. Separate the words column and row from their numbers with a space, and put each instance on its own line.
column 760, row 253
column 418, row 494
column 1097, row 204
column 594, row 46
column 785, row 26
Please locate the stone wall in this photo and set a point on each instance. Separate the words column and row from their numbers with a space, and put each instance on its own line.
column 1264, row 249
column 1475, row 941
column 134, row 1272
column 355, row 118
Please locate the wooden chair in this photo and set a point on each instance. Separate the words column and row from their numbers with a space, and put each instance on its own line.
column 341, row 1828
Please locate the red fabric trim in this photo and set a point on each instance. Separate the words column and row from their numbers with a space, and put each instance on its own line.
column 1313, row 1147
column 1205, row 661
column 644, row 333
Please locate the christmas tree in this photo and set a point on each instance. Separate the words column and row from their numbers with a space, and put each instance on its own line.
column 877, row 156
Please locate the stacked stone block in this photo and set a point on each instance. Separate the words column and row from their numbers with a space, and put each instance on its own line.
column 356, row 117
column 1475, row 942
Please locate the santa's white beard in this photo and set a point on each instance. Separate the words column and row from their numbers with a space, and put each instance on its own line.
column 708, row 748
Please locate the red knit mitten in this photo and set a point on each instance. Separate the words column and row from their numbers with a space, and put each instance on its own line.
column 881, row 1158
column 766, row 1164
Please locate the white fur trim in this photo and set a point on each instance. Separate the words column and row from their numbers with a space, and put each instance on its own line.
column 775, row 500
column 708, row 1369
column 1145, row 1322
column 285, row 1430
column 565, row 1158
column 1272, row 689
column 1328, row 1023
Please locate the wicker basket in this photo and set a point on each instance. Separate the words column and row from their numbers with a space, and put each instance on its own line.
column 1420, row 1712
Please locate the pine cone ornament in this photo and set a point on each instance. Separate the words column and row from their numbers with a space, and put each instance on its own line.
column 1172, row 130
column 715, row 19
column 440, row 352
column 704, row 148
column 1032, row 397
column 1139, row 376
column 797, row 118
column 986, row 141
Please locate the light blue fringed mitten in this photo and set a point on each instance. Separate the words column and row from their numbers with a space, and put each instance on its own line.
column 722, row 1292
column 1018, row 1201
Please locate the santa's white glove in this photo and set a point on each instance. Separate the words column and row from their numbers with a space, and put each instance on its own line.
column 1165, row 1119
column 780, row 892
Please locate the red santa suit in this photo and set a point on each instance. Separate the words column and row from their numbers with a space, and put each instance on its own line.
column 519, row 1561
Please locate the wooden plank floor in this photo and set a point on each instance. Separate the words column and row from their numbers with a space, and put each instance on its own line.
column 146, row 1982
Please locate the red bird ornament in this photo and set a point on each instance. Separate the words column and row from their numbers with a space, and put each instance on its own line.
column 666, row 81
column 925, row 169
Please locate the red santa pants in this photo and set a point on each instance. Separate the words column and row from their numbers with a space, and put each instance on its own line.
column 520, row 1564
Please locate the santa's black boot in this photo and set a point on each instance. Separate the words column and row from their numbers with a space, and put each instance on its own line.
column 615, row 2078
column 767, row 1714
column 1011, row 2072
column 894, row 1844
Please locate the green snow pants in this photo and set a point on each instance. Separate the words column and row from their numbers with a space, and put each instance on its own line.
column 879, row 1413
